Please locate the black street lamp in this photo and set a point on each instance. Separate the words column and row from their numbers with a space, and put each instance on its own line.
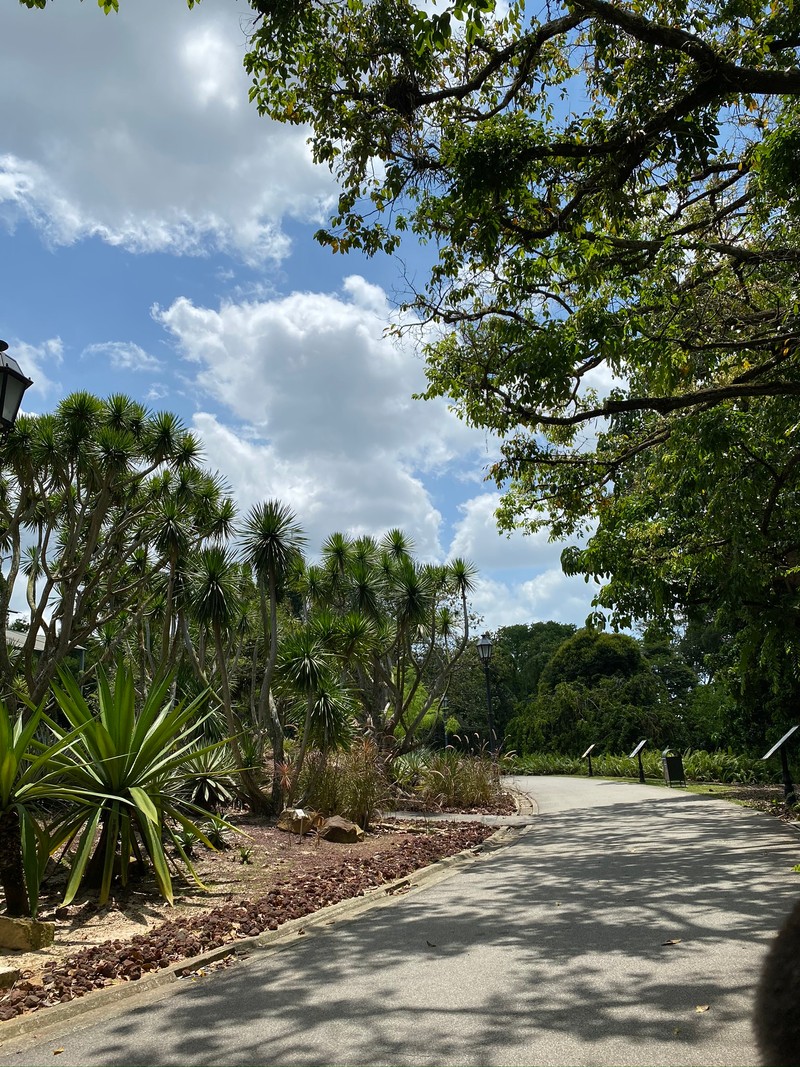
column 485, row 654
column 13, row 384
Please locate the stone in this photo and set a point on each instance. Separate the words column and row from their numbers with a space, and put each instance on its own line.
column 298, row 821
column 8, row 976
column 341, row 831
column 25, row 935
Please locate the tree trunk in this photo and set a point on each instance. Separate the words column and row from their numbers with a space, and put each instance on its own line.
column 258, row 803
column 12, row 874
column 301, row 755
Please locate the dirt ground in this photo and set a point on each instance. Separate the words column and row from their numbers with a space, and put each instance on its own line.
column 766, row 798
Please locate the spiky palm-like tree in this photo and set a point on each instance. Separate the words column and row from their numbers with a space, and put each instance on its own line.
column 79, row 493
column 271, row 543
column 304, row 665
column 214, row 586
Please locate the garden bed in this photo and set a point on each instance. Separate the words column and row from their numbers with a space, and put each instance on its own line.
column 263, row 880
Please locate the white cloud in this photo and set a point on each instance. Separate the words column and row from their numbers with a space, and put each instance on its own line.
column 477, row 534
column 352, row 494
column 145, row 136
column 546, row 596
column 521, row 578
column 323, row 410
column 38, row 362
column 124, row 355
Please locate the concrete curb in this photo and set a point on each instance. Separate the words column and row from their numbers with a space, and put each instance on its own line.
column 59, row 1015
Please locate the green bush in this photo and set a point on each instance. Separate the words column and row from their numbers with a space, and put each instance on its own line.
column 698, row 766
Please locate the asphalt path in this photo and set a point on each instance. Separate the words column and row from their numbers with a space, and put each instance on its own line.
column 625, row 926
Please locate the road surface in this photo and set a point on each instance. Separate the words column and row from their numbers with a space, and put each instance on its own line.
column 625, row 926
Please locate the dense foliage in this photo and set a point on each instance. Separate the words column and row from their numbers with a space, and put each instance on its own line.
column 609, row 191
column 698, row 766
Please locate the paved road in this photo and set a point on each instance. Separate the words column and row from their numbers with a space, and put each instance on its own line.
column 547, row 952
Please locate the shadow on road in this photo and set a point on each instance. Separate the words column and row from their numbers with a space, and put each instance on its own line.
column 540, row 942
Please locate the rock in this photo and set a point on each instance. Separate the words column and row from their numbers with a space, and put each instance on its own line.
column 8, row 976
column 25, row 935
column 340, row 830
column 298, row 821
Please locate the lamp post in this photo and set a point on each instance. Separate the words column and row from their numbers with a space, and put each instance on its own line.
column 485, row 654
column 13, row 384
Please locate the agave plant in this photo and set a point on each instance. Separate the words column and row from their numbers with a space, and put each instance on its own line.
column 128, row 766
column 27, row 779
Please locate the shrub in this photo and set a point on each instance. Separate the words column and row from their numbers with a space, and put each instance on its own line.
column 352, row 784
column 455, row 780
column 698, row 766
column 128, row 768
column 28, row 780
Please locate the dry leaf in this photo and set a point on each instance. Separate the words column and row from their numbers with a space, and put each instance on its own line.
column 57, row 1051
column 672, row 941
column 701, row 1008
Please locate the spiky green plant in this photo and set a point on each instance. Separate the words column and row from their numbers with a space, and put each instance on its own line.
column 127, row 765
column 28, row 779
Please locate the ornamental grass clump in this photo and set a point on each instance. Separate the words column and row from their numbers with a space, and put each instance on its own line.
column 453, row 779
column 352, row 784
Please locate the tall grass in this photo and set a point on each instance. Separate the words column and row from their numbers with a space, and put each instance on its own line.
column 352, row 784
column 449, row 778
column 454, row 780
column 698, row 766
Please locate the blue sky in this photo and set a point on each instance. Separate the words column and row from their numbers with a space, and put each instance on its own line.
column 156, row 239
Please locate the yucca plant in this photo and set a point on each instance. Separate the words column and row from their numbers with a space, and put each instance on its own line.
column 27, row 780
column 211, row 778
column 127, row 767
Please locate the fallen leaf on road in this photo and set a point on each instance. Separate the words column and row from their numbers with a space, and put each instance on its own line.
column 701, row 1008
column 672, row 941
column 430, row 944
column 57, row 1051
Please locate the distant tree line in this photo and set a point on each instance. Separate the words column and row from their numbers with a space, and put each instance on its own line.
column 557, row 688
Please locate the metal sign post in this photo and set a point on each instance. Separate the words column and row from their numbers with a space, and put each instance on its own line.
column 588, row 755
column 638, row 753
column 788, row 785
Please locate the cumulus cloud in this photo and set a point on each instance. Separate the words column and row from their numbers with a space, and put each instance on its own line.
column 546, row 596
column 477, row 532
column 521, row 580
column 145, row 137
column 322, row 409
column 123, row 355
column 38, row 362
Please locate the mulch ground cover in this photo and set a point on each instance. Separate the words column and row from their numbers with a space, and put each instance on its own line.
column 113, row 962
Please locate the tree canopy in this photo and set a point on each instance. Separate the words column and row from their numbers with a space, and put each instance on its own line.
column 610, row 191
column 610, row 194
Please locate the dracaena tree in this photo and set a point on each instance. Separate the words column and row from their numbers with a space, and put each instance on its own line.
column 398, row 626
column 81, row 493
column 272, row 544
